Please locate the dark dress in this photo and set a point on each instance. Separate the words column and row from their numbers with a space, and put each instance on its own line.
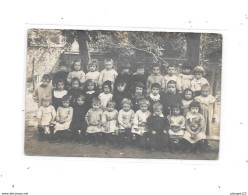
column 151, row 103
column 88, row 99
column 139, row 78
column 60, row 75
column 168, row 100
column 74, row 93
column 78, row 119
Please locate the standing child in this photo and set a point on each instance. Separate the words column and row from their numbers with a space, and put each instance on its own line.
column 93, row 119
column 187, row 98
column 43, row 90
column 108, row 73
column 184, row 78
column 58, row 93
column 78, row 125
column 125, row 120
column 75, row 90
column 106, row 95
column 76, row 72
column 194, row 136
column 46, row 116
column 63, row 119
column 155, row 77
column 171, row 69
column 138, row 94
column 177, row 127
column 109, row 122
column 198, row 81
column 140, row 122
column 140, row 75
column 61, row 74
column 93, row 74
column 154, row 96
column 90, row 92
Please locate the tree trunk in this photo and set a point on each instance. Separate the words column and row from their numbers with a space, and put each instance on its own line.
column 193, row 48
column 33, row 79
column 83, row 50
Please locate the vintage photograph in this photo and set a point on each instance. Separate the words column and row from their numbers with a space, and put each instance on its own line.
column 123, row 94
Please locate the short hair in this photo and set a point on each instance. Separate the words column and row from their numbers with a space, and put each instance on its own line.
column 120, row 81
column 178, row 106
column 47, row 77
column 204, row 86
column 62, row 63
column 156, row 85
column 125, row 65
column 75, row 79
column 144, row 101
column 186, row 65
column 195, row 104
column 65, row 98
column 126, row 101
column 94, row 62
column 187, row 90
column 171, row 82
column 199, row 69
column 171, row 65
column 140, row 65
column 96, row 100
column 108, row 83
column 81, row 96
column 111, row 103
column 46, row 98
column 140, row 85
column 157, row 105
column 155, row 65
column 108, row 60
column 60, row 80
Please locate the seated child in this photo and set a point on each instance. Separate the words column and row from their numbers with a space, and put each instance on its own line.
column 187, row 98
column 140, row 76
column 158, row 126
column 90, row 91
column 78, row 125
column 198, row 81
column 140, row 122
column 155, row 77
column 194, row 136
column 139, row 93
column 76, row 72
column 63, row 120
column 109, row 123
column 74, row 91
column 58, row 93
column 46, row 116
column 61, row 74
column 154, row 96
column 177, row 127
column 184, row 78
column 43, row 90
column 106, row 95
column 170, row 74
column 93, row 74
column 93, row 119
column 125, row 120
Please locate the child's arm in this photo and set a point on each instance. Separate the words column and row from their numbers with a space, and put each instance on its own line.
column 101, row 79
column 148, row 84
column 69, row 77
column 58, row 115
column 183, row 124
column 82, row 77
column 115, row 75
column 214, row 110
column 163, row 84
column 135, row 121
column 70, row 115
column 104, row 120
column 120, row 119
column 179, row 84
column 87, row 116
column 53, row 115
column 39, row 115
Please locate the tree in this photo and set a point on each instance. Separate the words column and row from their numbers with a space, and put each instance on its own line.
column 193, row 48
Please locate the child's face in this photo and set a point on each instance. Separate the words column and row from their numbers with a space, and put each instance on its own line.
column 155, row 91
column 125, row 71
column 96, row 105
column 171, row 88
column 188, row 95
column 155, row 70
column 140, row 71
column 194, row 110
column 66, row 104
column 198, row 75
column 90, row 86
column 110, row 108
column 106, row 89
column 157, row 111
column 205, row 92
column 77, row 66
column 75, row 84
column 126, row 107
column 138, row 90
column 80, row 101
column 143, row 107
column 108, row 65
column 121, row 87
column 186, row 70
column 45, row 82
column 92, row 68
column 171, row 71
column 46, row 103
column 63, row 68
column 175, row 111
column 60, row 86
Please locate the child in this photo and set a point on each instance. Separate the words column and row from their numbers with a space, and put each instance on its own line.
column 109, row 122
column 93, row 119
column 194, row 136
column 158, row 126
column 198, row 81
column 58, row 93
column 154, row 95
column 108, row 73
column 138, row 94
column 187, row 98
column 155, row 77
column 184, row 78
column 90, row 92
column 75, row 90
column 207, row 103
column 93, row 74
column 61, row 74
column 120, row 92
column 140, row 75
column 170, row 74
column 170, row 97
column 177, row 127
column 106, row 95
column 125, row 120
column 43, row 90
column 78, row 125
column 46, row 116
column 76, row 73
column 63, row 119
column 139, row 122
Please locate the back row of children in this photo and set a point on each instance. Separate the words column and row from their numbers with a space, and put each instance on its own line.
column 183, row 102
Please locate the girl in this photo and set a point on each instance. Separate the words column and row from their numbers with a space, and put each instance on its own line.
column 187, row 98
column 138, row 94
column 177, row 127
column 106, row 95
column 75, row 90
column 78, row 125
column 93, row 119
column 125, row 120
column 198, row 81
column 76, row 73
column 90, row 92
column 194, row 136
column 61, row 74
column 109, row 122
column 58, row 93
column 93, row 74
column 63, row 119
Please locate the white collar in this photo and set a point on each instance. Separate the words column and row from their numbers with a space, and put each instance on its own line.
column 155, row 98
column 161, row 115
column 90, row 92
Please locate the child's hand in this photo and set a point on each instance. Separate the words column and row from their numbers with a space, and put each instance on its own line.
column 165, row 132
column 213, row 120
column 154, row 132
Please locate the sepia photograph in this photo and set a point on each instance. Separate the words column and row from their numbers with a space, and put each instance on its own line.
column 123, row 94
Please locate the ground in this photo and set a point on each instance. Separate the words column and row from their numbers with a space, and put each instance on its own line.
column 35, row 147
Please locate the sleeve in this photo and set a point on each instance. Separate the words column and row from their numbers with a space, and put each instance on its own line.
column 104, row 119
column 193, row 85
column 202, row 122
column 70, row 114
column 69, row 77
column 132, row 117
column 58, row 115
column 179, row 84
column 213, row 101
column 53, row 114
column 115, row 75
column 149, row 122
column 87, row 116
column 82, row 77
column 101, row 78
column 166, row 124
column 148, row 83
column 183, row 123
column 136, row 120
column 35, row 94
column 163, row 83
column 39, row 113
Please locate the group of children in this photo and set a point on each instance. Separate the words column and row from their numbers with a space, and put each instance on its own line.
column 155, row 112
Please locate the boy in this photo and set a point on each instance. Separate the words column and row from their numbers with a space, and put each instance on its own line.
column 43, row 90
column 170, row 74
